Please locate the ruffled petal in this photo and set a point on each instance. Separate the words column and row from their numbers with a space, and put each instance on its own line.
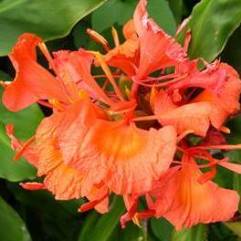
column 192, row 117
column 55, row 143
column 74, row 68
column 188, row 202
column 132, row 156
column 157, row 49
column 223, row 104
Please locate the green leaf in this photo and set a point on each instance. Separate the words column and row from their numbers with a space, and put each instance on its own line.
column 12, row 227
column 50, row 19
column 197, row 233
column 119, row 12
column 212, row 23
column 161, row 228
column 112, row 12
column 220, row 232
column 235, row 227
column 232, row 52
column 102, row 227
column 55, row 220
column 178, row 8
column 10, row 169
column 162, row 14
column 25, row 123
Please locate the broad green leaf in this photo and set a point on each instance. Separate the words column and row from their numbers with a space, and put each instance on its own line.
column 235, row 227
column 130, row 233
column 212, row 23
column 107, row 227
column 112, row 12
column 161, row 229
column 162, row 14
column 10, row 169
column 119, row 12
column 220, row 232
column 232, row 52
column 47, row 218
column 102, row 227
column 12, row 227
column 178, row 9
column 197, row 233
column 25, row 123
column 50, row 19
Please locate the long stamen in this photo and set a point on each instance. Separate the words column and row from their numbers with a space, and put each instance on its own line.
column 42, row 46
column 115, row 37
column 164, row 77
column 46, row 53
column 108, row 73
column 98, row 39
column 23, row 148
column 104, row 76
column 222, row 147
column 168, row 82
column 146, row 118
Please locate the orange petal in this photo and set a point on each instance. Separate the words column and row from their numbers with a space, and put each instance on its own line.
column 222, row 88
column 32, row 82
column 190, row 117
column 188, row 202
column 157, row 49
column 132, row 156
column 74, row 68
column 55, row 141
column 25, row 149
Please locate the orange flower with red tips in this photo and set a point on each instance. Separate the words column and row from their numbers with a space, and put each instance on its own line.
column 103, row 139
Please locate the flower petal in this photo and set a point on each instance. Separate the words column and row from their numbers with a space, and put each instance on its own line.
column 190, row 117
column 188, row 202
column 32, row 82
column 132, row 156
column 157, row 49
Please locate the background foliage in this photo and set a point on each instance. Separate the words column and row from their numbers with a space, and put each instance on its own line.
column 36, row 216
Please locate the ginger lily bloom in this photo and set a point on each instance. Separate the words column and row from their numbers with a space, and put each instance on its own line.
column 80, row 150
column 184, row 201
column 74, row 143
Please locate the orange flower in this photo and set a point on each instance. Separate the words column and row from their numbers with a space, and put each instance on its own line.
column 115, row 153
column 81, row 153
column 218, row 100
column 184, row 201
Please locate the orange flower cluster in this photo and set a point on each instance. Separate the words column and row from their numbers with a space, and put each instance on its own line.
column 128, row 129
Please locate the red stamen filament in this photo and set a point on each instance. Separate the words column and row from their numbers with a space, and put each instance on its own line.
column 23, row 148
column 168, row 82
column 222, row 147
